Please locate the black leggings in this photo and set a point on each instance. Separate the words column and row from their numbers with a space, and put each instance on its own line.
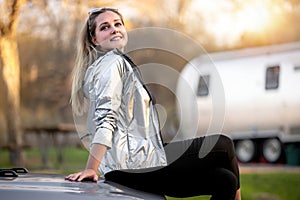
column 201, row 166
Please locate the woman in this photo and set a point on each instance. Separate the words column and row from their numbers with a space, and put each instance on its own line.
column 126, row 145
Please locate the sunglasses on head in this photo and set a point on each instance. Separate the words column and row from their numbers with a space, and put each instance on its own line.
column 97, row 10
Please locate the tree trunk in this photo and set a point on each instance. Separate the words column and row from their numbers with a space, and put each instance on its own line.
column 11, row 77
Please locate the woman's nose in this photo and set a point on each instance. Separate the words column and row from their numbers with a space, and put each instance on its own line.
column 114, row 30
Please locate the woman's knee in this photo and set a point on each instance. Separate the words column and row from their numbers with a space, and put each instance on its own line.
column 225, row 140
column 225, row 143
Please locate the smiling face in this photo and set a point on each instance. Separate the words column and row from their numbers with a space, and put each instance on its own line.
column 110, row 32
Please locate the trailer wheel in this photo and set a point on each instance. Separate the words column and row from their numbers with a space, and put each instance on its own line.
column 245, row 150
column 272, row 150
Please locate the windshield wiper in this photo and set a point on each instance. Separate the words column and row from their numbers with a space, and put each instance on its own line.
column 13, row 172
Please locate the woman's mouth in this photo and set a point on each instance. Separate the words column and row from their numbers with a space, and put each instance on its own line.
column 116, row 38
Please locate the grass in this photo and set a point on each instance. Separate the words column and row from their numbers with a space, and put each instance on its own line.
column 266, row 186
column 254, row 186
column 272, row 186
column 64, row 161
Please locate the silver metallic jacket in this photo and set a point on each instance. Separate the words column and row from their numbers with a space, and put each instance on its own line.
column 121, row 115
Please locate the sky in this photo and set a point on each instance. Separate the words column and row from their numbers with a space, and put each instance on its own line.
column 228, row 20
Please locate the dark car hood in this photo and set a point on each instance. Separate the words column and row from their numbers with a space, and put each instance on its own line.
column 33, row 186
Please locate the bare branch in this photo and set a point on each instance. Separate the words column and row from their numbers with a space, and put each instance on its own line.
column 13, row 16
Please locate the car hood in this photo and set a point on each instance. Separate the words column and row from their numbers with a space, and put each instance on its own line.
column 53, row 187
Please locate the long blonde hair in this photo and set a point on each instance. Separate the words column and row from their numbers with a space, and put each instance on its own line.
column 87, row 53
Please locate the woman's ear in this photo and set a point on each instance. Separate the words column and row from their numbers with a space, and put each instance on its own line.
column 94, row 41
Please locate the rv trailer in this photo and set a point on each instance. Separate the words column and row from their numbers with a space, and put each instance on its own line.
column 252, row 95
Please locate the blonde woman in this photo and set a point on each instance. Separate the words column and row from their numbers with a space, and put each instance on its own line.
column 125, row 142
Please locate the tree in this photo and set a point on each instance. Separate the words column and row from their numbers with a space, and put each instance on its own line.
column 11, row 77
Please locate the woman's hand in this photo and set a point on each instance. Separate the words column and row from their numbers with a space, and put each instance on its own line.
column 85, row 174
column 90, row 172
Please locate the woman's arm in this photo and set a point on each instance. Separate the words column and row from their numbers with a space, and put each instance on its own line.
column 106, row 94
column 96, row 154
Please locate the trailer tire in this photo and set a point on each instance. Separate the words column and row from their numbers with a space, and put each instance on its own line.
column 272, row 150
column 245, row 150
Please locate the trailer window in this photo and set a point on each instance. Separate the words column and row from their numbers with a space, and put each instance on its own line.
column 272, row 77
column 203, row 86
column 297, row 68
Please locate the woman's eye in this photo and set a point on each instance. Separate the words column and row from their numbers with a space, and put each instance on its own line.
column 119, row 24
column 102, row 28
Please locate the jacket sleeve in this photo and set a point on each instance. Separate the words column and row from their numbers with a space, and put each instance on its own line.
column 107, row 94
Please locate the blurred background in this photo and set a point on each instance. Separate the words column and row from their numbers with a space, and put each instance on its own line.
column 37, row 48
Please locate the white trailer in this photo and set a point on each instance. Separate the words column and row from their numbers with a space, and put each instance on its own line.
column 252, row 95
